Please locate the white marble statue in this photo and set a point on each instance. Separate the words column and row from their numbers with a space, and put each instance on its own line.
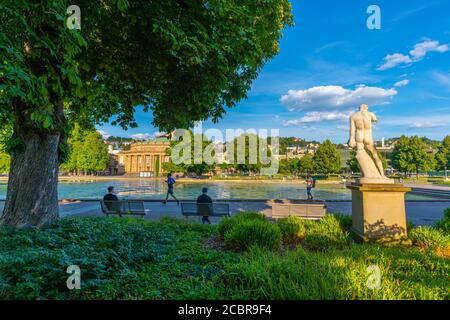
column 361, row 138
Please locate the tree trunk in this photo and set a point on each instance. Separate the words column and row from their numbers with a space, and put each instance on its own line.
column 32, row 195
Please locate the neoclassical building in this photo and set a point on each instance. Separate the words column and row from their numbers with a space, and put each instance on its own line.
column 145, row 158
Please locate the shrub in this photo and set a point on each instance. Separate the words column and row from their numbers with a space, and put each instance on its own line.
column 248, row 233
column 225, row 225
column 430, row 238
column 344, row 220
column 294, row 228
column 250, row 215
column 444, row 224
column 327, row 233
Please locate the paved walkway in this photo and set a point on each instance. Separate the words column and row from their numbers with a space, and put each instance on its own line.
column 418, row 212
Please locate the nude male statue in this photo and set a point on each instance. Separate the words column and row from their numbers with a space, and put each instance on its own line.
column 361, row 138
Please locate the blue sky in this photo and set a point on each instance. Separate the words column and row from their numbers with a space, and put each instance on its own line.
column 330, row 62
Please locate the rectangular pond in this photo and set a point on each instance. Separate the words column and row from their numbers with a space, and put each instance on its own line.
column 156, row 189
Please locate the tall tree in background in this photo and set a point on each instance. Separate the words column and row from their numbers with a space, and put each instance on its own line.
column 410, row 156
column 443, row 154
column 306, row 163
column 196, row 162
column 75, row 145
column 327, row 159
column 93, row 155
column 5, row 160
column 242, row 159
column 185, row 60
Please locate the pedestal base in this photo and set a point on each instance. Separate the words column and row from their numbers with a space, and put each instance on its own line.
column 375, row 181
column 378, row 211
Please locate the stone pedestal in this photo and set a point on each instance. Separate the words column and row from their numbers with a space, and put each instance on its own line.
column 378, row 211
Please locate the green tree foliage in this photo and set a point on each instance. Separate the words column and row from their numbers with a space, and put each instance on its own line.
column 185, row 60
column 327, row 159
column 5, row 160
column 443, row 154
column 306, row 163
column 196, row 162
column 87, row 152
column 94, row 153
column 352, row 163
column 410, row 155
column 75, row 145
column 251, row 160
column 289, row 166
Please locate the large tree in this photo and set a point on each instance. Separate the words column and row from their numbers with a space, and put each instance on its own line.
column 195, row 161
column 93, row 155
column 410, row 156
column 185, row 60
column 5, row 160
column 249, row 153
column 327, row 159
column 443, row 154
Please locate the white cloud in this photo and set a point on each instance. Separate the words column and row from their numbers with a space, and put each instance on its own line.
column 312, row 117
column 324, row 98
column 104, row 134
column 141, row 136
column 427, row 124
column 421, row 49
column 418, row 53
column 393, row 60
column 401, row 83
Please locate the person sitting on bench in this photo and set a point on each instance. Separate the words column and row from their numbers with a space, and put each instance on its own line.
column 202, row 207
column 109, row 198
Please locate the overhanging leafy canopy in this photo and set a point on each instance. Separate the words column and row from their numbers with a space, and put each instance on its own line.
column 186, row 60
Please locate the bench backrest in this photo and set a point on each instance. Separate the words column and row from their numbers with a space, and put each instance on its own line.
column 189, row 207
column 205, row 209
column 111, row 206
column 134, row 206
column 221, row 208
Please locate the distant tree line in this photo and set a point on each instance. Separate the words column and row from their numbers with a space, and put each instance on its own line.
column 412, row 155
column 326, row 160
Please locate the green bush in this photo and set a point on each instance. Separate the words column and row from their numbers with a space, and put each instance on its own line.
column 430, row 238
column 444, row 224
column 294, row 228
column 225, row 225
column 344, row 220
column 327, row 233
column 248, row 233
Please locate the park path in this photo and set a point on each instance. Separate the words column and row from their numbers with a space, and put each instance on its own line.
column 418, row 212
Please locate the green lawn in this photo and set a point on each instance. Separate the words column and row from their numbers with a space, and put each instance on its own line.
column 173, row 259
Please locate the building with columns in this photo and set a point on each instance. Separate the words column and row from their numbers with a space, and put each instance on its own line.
column 145, row 157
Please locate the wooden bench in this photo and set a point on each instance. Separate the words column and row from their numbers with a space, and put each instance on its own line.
column 194, row 209
column 124, row 208
column 307, row 210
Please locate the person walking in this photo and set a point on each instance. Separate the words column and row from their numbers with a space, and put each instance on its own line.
column 170, row 182
column 310, row 184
